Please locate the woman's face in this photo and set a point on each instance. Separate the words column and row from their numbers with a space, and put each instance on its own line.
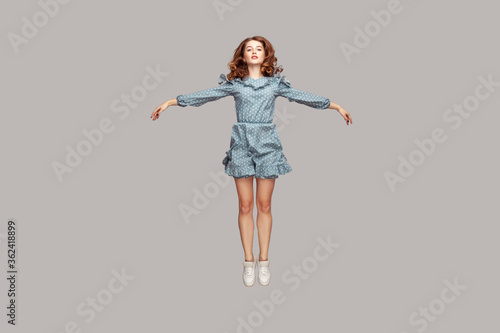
column 254, row 53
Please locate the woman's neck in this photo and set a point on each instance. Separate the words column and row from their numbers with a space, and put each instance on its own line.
column 254, row 72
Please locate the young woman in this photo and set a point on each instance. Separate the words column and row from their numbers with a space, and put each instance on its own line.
column 255, row 148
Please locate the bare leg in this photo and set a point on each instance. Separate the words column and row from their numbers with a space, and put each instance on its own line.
column 244, row 187
column 265, row 189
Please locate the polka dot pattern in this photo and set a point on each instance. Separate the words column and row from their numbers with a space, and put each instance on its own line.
column 255, row 148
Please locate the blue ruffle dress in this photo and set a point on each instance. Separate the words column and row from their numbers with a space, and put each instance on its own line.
column 255, row 148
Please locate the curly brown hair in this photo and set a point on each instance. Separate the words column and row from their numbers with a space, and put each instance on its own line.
column 240, row 69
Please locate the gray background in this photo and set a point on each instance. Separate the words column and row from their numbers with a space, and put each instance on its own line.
column 121, row 207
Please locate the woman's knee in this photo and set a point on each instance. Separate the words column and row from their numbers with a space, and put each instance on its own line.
column 264, row 206
column 246, row 207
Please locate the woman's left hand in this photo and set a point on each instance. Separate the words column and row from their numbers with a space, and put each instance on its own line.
column 345, row 114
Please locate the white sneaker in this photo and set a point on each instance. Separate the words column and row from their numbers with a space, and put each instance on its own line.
column 249, row 273
column 264, row 272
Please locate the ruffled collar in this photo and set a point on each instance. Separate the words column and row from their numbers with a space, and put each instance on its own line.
column 251, row 82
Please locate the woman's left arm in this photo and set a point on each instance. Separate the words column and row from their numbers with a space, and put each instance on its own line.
column 342, row 111
column 286, row 90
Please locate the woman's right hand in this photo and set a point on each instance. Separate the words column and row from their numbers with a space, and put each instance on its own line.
column 156, row 113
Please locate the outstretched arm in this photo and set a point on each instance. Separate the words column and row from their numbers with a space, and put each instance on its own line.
column 197, row 98
column 286, row 90
column 201, row 97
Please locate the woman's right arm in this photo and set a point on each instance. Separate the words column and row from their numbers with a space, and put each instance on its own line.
column 198, row 98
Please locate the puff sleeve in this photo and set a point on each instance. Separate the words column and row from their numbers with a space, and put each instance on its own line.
column 286, row 90
column 201, row 97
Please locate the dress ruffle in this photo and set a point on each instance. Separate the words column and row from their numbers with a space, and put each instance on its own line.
column 281, row 167
column 232, row 169
column 284, row 80
column 250, row 82
column 270, row 171
column 223, row 78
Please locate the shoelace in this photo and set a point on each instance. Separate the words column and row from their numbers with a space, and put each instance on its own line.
column 264, row 270
column 248, row 271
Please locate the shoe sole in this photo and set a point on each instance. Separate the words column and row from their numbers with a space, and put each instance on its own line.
column 249, row 285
